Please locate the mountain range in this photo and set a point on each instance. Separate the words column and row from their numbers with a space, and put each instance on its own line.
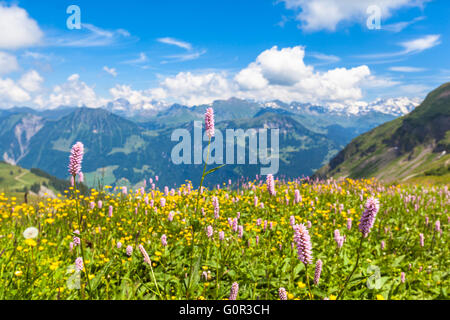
column 392, row 106
column 410, row 147
column 125, row 147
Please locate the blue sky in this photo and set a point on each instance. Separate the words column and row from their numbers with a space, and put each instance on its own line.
column 153, row 52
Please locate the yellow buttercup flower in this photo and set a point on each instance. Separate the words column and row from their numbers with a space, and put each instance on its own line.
column 31, row 242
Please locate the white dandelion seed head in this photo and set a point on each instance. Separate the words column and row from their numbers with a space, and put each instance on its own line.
column 31, row 233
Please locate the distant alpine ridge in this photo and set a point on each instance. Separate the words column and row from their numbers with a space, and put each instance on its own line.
column 392, row 106
column 126, row 144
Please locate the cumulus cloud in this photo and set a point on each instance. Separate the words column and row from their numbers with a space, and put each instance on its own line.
column 283, row 67
column 282, row 74
column 11, row 93
column 315, row 15
column 20, row 91
column 194, row 89
column 138, row 99
column 31, row 81
column 17, row 29
column 8, row 63
column 73, row 92
column 275, row 74
column 251, row 78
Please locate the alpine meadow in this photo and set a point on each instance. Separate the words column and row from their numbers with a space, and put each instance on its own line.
column 160, row 152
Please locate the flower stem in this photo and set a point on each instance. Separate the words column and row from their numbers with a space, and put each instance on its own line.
column 195, row 215
column 80, row 220
column 307, row 282
column 354, row 268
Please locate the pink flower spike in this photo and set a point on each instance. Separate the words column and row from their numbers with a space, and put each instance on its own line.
column 76, row 157
column 303, row 242
column 145, row 254
column 234, row 291
column 282, row 293
column 209, row 122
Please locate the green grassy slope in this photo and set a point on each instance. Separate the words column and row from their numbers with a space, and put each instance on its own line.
column 15, row 181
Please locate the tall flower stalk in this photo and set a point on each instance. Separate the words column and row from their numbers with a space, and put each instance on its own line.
column 366, row 223
column 149, row 262
column 75, row 160
column 209, row 126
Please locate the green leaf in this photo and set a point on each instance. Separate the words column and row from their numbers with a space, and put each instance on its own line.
column 196, row 275
column 397, row 261
column 215, row 169
column 379, row 283
column 100, row 275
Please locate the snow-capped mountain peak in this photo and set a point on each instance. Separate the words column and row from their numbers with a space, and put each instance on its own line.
column 395, row 106
column 392, row 106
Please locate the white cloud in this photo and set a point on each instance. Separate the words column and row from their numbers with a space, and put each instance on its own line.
column 138, row 99
column 406, row 69
column 176, row 42
column 184, row 57
column 421, row 44
column 283, row 67
column 327, row 58
column 316, row 15
column 90, row 36
column 11, row 93
column 275, row 74
column 17, row 29
column 142, row 58
column 8, row 63
column 379, row 82
column 410, row 47
column 16, row 92
column 282, row 74
column 191, row 89
column 399, row 26
column 251, row 78
column 111, row 71
column 185, row 88
column 189, row 55
column 31, row 81
column 73, row 92
column 36, row 55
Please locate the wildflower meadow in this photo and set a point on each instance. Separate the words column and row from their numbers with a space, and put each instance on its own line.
column 265, row 239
